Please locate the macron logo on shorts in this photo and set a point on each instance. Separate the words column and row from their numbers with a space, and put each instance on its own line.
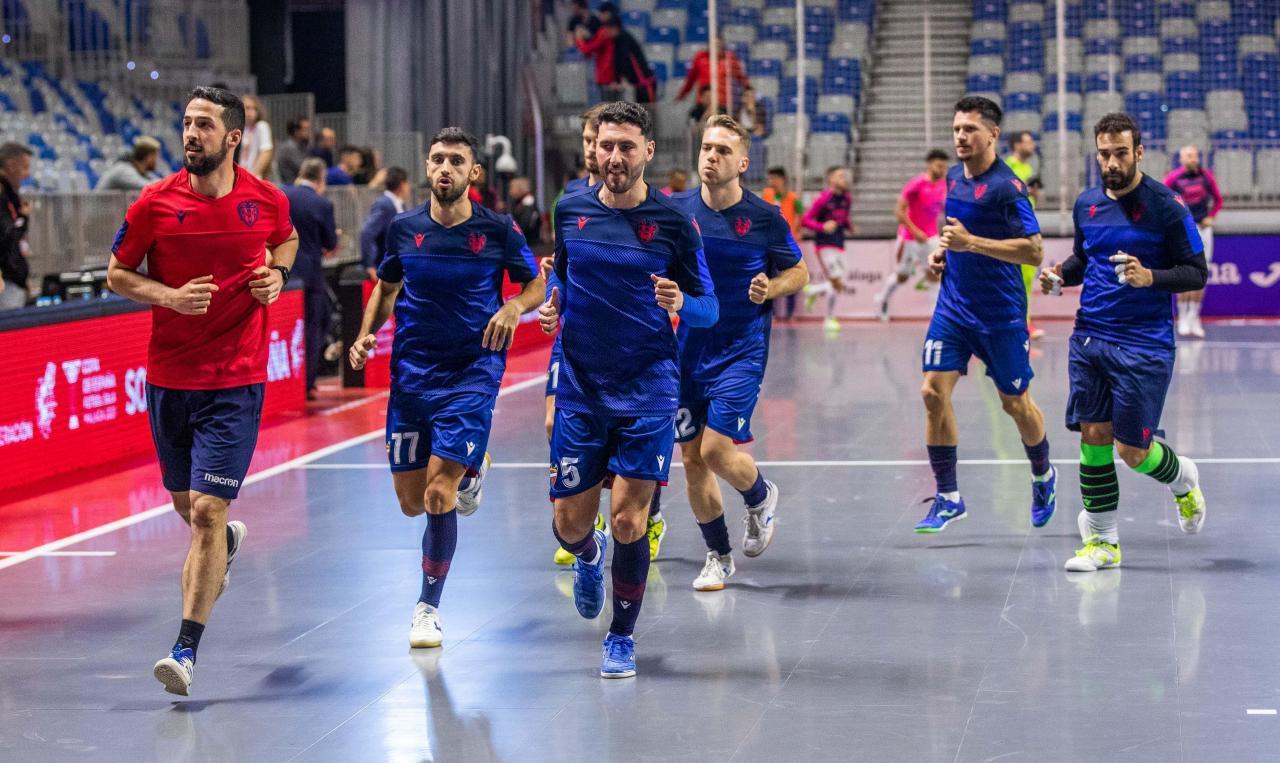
column 741, row 423
column 214, row 479
column 1017, row 383
column 470, row 447
column 661, row 461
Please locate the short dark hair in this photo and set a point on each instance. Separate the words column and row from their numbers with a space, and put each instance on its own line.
column 936, row 154
column 349, row 149
column 11, row 151
column 294, row 124
column 625, row 113
column 396, row 177
column 983, row 106
column 1115, row 123
column 232, row 106
column 778, row 171
column 1017, row 137
column 454, row 136
column 607, row 7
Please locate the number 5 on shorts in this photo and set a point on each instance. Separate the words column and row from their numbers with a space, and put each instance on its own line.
column 569, row 477
column 397, row 439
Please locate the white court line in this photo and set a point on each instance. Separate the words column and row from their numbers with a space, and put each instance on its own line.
column 63, row 553
column 164, row 509
column 355, row 403
column 1260, row 711
column 778, row 464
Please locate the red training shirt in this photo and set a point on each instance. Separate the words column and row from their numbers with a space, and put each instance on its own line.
column 185, row 235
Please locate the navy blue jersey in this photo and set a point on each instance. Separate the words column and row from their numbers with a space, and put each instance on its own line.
column 1150, row 223
column 576, row 185
column 620, row 353
column 982, row 292
column 452, row 287
column 741, row 241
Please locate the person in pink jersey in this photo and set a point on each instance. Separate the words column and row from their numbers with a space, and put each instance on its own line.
column 918, row 209
column 829, row 220
column 1199, row 190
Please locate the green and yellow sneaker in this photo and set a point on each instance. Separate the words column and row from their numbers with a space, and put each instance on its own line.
column 656, row 532
column 563, row 558
column 1096, row 555
column 1190, row 511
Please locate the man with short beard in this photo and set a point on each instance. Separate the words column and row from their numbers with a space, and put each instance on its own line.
column 205, row 233
column 1136, row 242
column 442, row 274
column 626, row 258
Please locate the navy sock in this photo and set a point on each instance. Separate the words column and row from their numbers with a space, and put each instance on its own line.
column 716, row 534
column 755, row 495
column 630, row 569
column 942, row 459
column 655, row 505
column 586, row 549
column 189, row 635
column 438, row 543
column 1039, row 457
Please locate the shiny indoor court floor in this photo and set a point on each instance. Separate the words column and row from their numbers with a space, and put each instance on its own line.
column 852, row 638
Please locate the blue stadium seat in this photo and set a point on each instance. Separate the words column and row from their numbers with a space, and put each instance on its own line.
column 1184, row 90
column 1075, row 121
column 779, row 32
column 1102, row 47
column 745, row 16
column 1025, row 62
column 848, row 68
column 1025, row 36
column 984, row 83
column 1253, row 23
column 1075, row 83
column 816, row 50
column 1138, row 19
column 764, row 67
column 1222, row 79
column 660, row 71
column 697, row 30
column 990, row 10
column 672, row 5
column 819, row 23
column 740, row 49
column 1097, row 9
column 779, row 3
column 1177, row 9
column 1023, row 102
column 787, row 95
column 1143, row 62
column 1073, row 16
column 837, row 123
column 1180, row 45
column 663, row 34
column 834, row 83
column 636, row 22
column 986, row 48
column 862, row 11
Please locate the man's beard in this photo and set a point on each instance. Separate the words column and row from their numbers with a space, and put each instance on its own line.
column 206, row 164
column 630, row 176
column 1111, row 183
column 448, row 195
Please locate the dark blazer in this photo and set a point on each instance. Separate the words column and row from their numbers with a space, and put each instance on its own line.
column 312, row 216
column 373, row 235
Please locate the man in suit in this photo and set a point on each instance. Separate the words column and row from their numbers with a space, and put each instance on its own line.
column 312, row 216
column 373, row 235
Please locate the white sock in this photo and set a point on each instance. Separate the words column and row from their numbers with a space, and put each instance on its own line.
column 889, row 290
column 1044, row 477
column 831, row 304
column 1104, row 525
column 1194, row 309
column 1188, row 478
column 953, row 496
column 655, row 517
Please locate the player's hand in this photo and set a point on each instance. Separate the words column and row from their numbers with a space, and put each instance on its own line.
column 266, row 288
column 829, row 226
column 502, row 328
column 549, row 313
column 956, row 237
column 545, row 266
column 193, row 297
column 667, row 293
column 24, row 209
column 1130, row 271
column 359, row 353
column 918, row 236
column 758, row 292
column 1051, row 280
column 1207, row 222
column 937, row 261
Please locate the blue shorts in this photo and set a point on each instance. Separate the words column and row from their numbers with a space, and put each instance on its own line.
column 553, row 367
column 725, row 405
column 205, row 438
column 948, row 345
column 457, row 425
column 1123, row 385
column 586, row 449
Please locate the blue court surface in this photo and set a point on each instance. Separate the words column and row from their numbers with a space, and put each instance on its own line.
column 852, row 638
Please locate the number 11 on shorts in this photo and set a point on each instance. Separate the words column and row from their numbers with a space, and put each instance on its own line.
column 398, row 439
column 932, row 352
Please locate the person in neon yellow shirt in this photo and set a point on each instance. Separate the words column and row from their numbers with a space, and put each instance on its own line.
column 1023, row 145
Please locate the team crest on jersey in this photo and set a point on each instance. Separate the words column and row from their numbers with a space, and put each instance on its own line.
column 417, row 239
column 696, row 227
column 181, row 214
column 1093, row 210
column 1017, row 184
column 646, row 230
column 742, row 226
column 979, row 191
column 248, row 211
column 1146, row 433
column 476, row 242
column 515, row 226
column 951, row 186
column 1138, row 213
column 1178, row 198
column 582, row 221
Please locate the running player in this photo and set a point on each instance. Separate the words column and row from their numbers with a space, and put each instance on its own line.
column 205, row 232
column 1135, row 243
column 626, row 257
column 657, row 526
column 442, row 275
column 753, row 258
column 828, row 218
column 918, row 210
column 1199, row 190
column 1023, row 146
column 990, row 231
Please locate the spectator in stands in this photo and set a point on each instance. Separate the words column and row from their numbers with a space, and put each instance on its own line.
column 313, row 219
column 599, row 46
column 778, row 194
column 373, row 234
column 15, row 166
column 677, row 181
column 293, row 150
column 524, row 208
column 135, row 170
column 751, row 114
column 630, row 62
column 1199, row 191
column 325, row 145
column 1023, row 152
column 580, row 16
column 256, row 148
column 699, row 78
column 350, row 159
column 480, row 193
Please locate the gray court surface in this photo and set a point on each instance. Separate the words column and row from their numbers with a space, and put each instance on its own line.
column 852, row 638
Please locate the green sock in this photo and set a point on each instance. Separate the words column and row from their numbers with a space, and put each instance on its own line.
column 1099, row 486
column 1161, row 464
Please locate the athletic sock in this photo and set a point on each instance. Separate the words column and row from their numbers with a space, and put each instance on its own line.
column 630, row 569
column 586, row 549
column 189, row 634
column 655, row 504
column 1038, row 455
column 757, row 493
column 438, row 543
column 942, row 459
column 831, row 303
column 716, row 535
column 1161, row 464
column 231, row 540
column 1100, row 490
column 890, row 289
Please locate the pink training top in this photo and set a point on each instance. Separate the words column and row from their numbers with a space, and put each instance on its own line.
column 925, row 198
column 829, row 205
column 1197, row 191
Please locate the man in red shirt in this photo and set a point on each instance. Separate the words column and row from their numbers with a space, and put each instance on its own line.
column 205, row 233
column 700, row 75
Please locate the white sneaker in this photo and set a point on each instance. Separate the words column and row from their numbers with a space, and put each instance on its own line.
column 831, row 325
column 240, row 532
column 1096, row 555
column 759, row 522
column 882, row 312
column 1191, row 506
column 424, row 632
column 1195, row 327
column 469, row 500
column 1184, row 325
column 176, row 671
column 714, row 572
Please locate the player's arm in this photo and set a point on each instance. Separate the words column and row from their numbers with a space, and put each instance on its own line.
column 900, row 212
column 1070, row 272
column 519, row 264
column 1027, row 250
column 811, row 219
column 192, row 298
column 269, row 280
column 381, row 302
column 1216, row 193
column 1184, row 248
column 786, row 260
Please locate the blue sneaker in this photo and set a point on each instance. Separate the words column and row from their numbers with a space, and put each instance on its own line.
column 176, row 671
column 1044, row 499
column 588, row 581
column 619, row 657
column 941, row 514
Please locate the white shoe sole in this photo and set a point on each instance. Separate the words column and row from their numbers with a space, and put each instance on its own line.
column 624, row 674
column 1090, row 568
column 170, row 674
column 425, row 643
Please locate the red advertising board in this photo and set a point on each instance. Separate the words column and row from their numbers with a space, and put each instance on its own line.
column 74, row 397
